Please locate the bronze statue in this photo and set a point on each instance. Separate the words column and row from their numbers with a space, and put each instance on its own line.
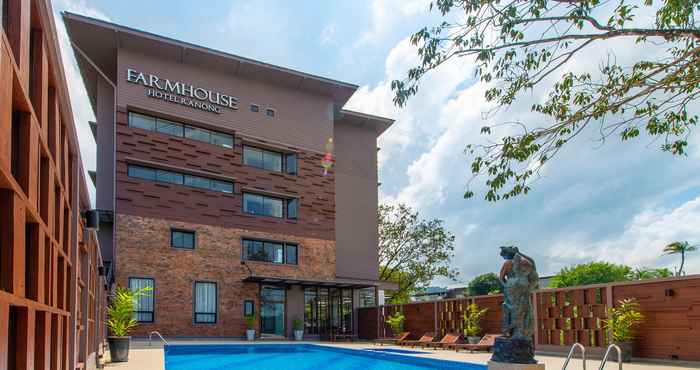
column 519, row 278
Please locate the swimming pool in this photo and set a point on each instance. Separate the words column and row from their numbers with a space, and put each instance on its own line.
column 295, row 357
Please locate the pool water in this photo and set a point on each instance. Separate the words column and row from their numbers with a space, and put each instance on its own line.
column 295, row 357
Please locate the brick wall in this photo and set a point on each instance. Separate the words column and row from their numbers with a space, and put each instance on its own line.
column 144, row 251
column 316, row 216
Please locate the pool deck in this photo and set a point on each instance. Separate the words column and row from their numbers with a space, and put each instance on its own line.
column 145, row 357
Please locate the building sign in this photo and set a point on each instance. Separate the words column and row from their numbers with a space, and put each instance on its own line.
column 181, row 93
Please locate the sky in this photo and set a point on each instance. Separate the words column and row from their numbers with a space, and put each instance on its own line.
column 612, row 201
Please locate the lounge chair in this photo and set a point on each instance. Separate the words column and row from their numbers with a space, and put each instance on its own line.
column 422, row 342
column 485, row 344
column 449, row 338
column 395, row 341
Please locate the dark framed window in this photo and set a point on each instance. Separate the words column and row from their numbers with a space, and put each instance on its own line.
column 172, row 177
column 291, row 254
column 270, row 112
column 142, row 173
column 143, row 305
column 182, row 239
column 150, row 123
column 248, row 308
column 205, row 302
column 269, row 251
column 254, row 108
column 270, row 160
column 292, row 208
column 262, row 205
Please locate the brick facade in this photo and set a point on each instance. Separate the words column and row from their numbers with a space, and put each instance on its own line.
column 138, row 197
column 144, row 251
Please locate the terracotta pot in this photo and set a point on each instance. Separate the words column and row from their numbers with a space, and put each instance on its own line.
column 119, row 348
column 250, row 335
column 626, row 348
column 473, row 340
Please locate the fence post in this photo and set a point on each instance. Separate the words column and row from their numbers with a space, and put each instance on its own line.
column 435, row 319
column 536, row 323
column 610, row 304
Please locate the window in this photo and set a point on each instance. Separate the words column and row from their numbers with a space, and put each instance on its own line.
column 178, row 129
column 248, row 308
column 170, row 128
column 143, row 307
column 254, row 108
column 196, row 133
column 182, row 239
column 172, row 177
column 204, row 302
column 292, row 254
column 262, row 205
column 270, row 112
column 292, row 206
column 267, row 251
column 142, row 121
column 169, row 177
column 291, row 162
column 270, row 160
column 142, row 173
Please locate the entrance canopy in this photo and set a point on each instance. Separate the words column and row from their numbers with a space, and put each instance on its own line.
column 335, row 283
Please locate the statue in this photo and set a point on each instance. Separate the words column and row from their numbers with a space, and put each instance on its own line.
column 519, row 278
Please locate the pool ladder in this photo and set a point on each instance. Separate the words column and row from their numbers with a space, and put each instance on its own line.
column 602, row 362
column 571, row 354
column 150, row 335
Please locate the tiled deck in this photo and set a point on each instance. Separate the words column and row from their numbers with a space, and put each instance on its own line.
column 145, row 357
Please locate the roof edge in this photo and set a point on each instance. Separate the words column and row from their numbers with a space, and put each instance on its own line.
column 173, row 41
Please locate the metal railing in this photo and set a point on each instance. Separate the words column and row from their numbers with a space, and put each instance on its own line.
column 607, row 353
column 150, row 335
column 571, row 354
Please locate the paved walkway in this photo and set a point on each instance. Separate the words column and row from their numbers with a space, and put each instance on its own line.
column 145, row 357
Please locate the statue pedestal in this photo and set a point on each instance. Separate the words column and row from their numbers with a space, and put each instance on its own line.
column 514, row 350
column 506, row 366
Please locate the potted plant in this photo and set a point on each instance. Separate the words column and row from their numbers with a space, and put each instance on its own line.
column 621, row 322
column 250, row 325
column 472, row 323
column 121, row 320
column 298, row 326
column 396, row 323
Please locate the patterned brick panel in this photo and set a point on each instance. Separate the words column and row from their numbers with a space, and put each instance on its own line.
column 143, row 250
column 565, row 317
column 138, row 197
column 451, row 314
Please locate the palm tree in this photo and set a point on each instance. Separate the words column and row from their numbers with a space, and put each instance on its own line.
column 682, row 248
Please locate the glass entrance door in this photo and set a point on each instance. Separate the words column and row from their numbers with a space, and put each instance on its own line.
column 272, row 311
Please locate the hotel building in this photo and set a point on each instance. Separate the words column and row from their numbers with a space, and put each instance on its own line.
column 211, row 187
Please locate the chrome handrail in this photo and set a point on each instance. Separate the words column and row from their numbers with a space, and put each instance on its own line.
column 150, row 335
column 607, row 353
column 571, row 354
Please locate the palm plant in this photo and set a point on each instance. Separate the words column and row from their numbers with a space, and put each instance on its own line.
column 472, row 320
column 396, row 323
column 680, row 248
column 622, row 320
column 121, row 310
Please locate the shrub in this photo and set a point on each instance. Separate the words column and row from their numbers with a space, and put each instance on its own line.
column 472, row 320
column 396, row 322
column 121, row 310
column 622, row 320
column 250, row 322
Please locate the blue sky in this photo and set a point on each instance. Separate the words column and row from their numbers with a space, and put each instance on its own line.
column 614, row 202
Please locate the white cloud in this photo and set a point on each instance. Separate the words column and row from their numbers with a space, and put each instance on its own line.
column 328, row 34
column 642, row 240
column 386, row 14
column 608, row 202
